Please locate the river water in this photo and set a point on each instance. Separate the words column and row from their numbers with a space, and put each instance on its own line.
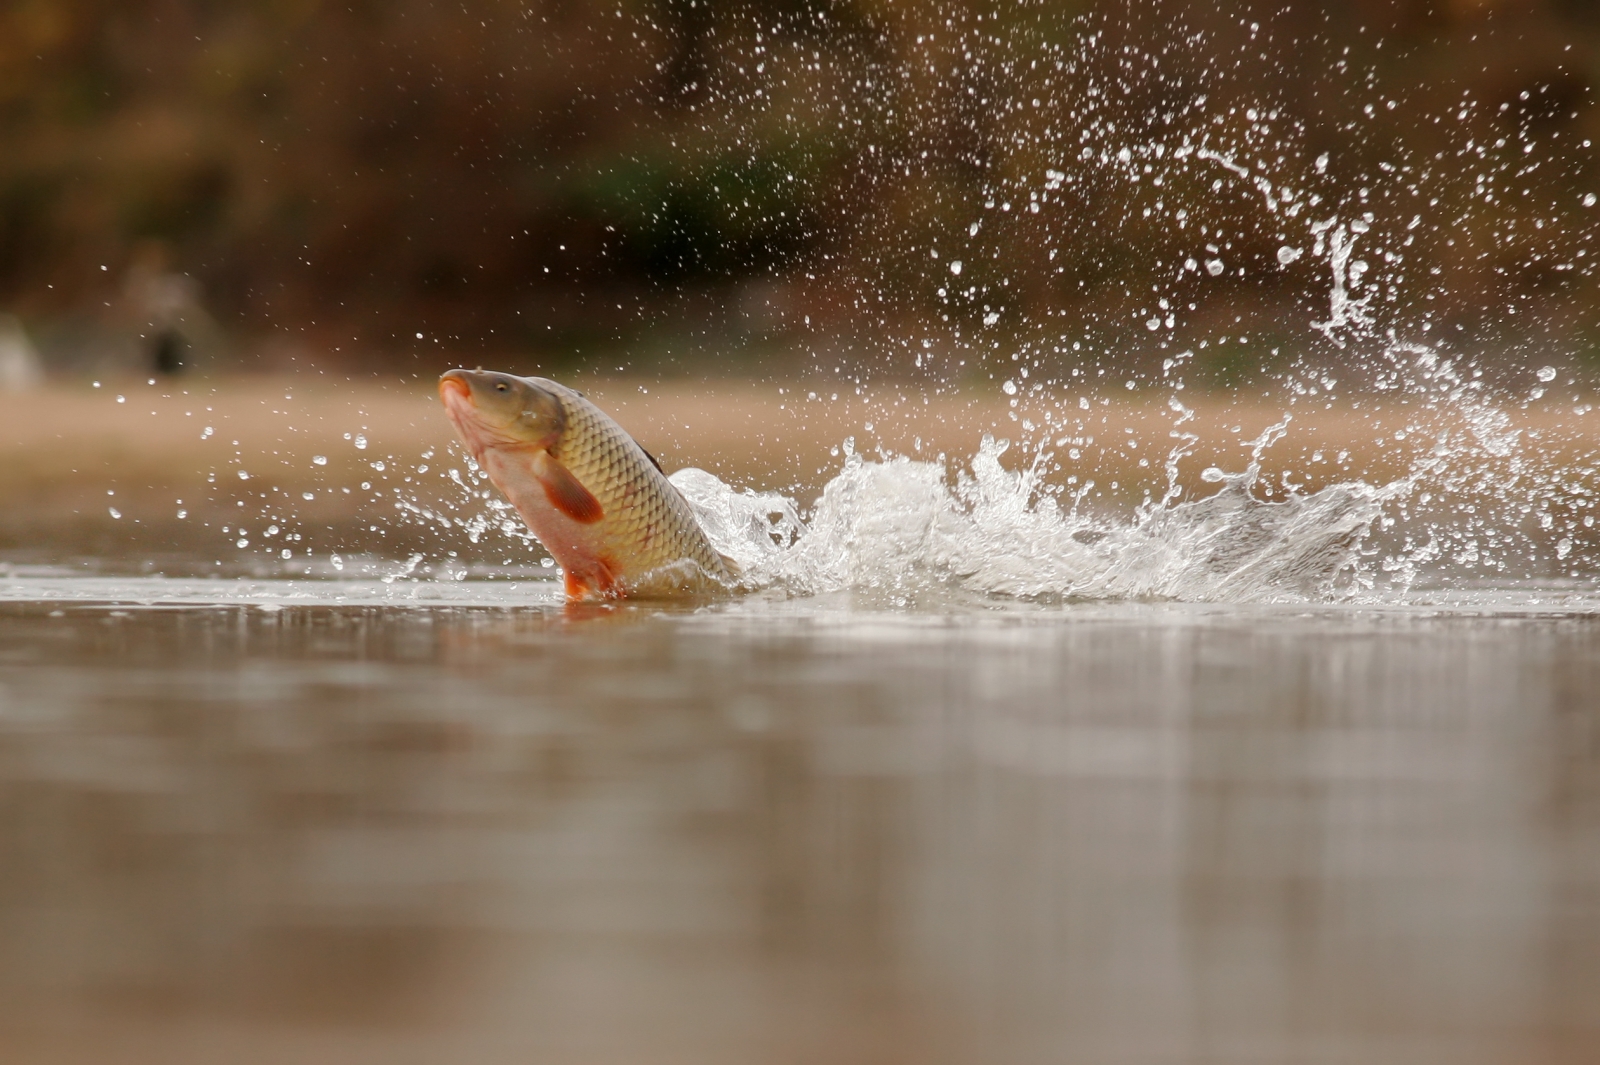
column 445, row 821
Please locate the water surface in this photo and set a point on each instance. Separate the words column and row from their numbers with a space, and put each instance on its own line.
column 353, row 821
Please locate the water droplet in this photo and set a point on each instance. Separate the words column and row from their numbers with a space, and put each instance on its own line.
column 1009, row 388
column 361, row 442
column 1288, row 254
column 1214, row 267
column 1547, row 373
column 1589, row 200
column 241, row 542
column 115, row 513
column 244, row 475
column 338, row 563
column 319, row 460
column 955, row 266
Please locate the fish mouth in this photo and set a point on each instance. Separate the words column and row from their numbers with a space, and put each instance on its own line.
column 455, row 392
column 455, row 387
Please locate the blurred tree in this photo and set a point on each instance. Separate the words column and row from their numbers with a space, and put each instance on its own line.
column 557, row 173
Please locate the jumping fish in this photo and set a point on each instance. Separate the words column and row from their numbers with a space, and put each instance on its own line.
column 597, row 501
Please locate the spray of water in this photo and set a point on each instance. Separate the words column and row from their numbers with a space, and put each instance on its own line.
column 1476, row 500
column 1481, row 496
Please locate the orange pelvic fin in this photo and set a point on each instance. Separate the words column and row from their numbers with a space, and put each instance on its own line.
column 600, row 582
column 565, row 492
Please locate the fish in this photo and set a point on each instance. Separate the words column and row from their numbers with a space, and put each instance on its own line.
column 598, row 502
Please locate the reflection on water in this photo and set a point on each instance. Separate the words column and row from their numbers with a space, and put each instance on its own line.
column 795, row 832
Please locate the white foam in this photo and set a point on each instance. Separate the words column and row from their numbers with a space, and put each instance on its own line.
column 902, row 526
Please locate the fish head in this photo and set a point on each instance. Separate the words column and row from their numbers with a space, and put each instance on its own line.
column 492, row 409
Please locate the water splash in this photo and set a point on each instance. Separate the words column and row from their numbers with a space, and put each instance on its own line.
column 902, row 526
column 1210, row 183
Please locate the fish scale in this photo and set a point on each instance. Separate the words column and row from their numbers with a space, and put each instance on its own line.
column 647, row 525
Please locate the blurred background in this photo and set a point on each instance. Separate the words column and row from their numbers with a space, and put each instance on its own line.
column 748, row 188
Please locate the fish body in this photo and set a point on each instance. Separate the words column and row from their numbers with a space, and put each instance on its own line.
column 594, row 498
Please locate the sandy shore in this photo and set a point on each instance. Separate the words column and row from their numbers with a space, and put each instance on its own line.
column 247, row 451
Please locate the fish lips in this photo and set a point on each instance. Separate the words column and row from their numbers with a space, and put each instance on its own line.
column 455, row 393
column 456, row 384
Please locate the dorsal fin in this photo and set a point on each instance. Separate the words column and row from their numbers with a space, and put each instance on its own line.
column 653, row 460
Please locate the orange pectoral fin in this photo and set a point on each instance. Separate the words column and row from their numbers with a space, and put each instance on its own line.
column 565, row 492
